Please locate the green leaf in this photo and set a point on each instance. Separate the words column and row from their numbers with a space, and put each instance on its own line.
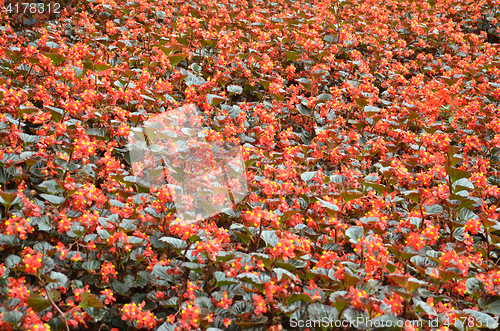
column 96, row 314
column 280, row 273
column 104, row 234
column 54, row 199
column 412, row 195
column 304, row 110
column 196, row 267
column 9, row 240
column 250, row 278
column 338, row 302
column 401, row 280
column 58, row 277
column 434, row 209
column 350, row 280
column 165, row 50
column 96, row 132
column 414, row 284
column 325, row 97
column 52, row 45
column 292, row 56
column 483, row 320
column 120, row 288
column 318, row 312
column 270, row 237
column 371, row 110
column 7, row 197
column 50, row 186
column 101, row 67
column 493, row 305
column 328, row 205
column 160, row 271
column 350, row 195
column 235, row 89
column 56, row 58
column 447, row 275
column 26, row 110
column 167, row 326
column 305, row 82
column 209, row 208
column 88, row 300
column 299, row 297
column 91, row 265
column 297, row 264
column 222, row 280
column 57, row 113
column 37, row 302
column 196, row 68
column 175, row 59
column 203, row 302
column 456, row 174
column 355, row 233
column 462, row 184
column 214, row 100
column 12, row 261
column 174, row 242
column 231, row 213
column 54, row 295
column 362, row 102
column 133, row 282
column 422, row 306
column 12, row 317
column 307, row 176
column 28, row 138
column 474, row 285
column 243, row 236
column 12, row 302
column 5, row 176
column 265, row 83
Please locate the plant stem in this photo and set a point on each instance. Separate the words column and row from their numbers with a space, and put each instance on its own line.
column 56, row 307
column 67, row 169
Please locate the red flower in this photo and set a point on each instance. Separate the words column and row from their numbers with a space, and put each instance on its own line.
column 396, row 303
column 32, row 263
column 285, row 248
column 473, row 226
column 227, row 322
column 133, row 312
column 108, row 270
column 109, row 296
column 225, row 302
column 260, row 304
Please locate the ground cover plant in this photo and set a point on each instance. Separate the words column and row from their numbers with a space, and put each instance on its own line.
column 370, row 133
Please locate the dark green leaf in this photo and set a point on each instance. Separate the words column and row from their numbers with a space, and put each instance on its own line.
column 37, row 302
column 91, row 265
column 56, row 58
column 175, row 59
column 88, row 300
column 304, row 110
column 355, row 233
column 235, row 89
column 292, row 56
column 9, row 240
column 483, row 320
column 299, row 297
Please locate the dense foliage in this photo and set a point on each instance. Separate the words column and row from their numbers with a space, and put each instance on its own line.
column 370, row 132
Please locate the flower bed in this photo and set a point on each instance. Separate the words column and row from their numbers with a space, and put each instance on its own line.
column 364, row 193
